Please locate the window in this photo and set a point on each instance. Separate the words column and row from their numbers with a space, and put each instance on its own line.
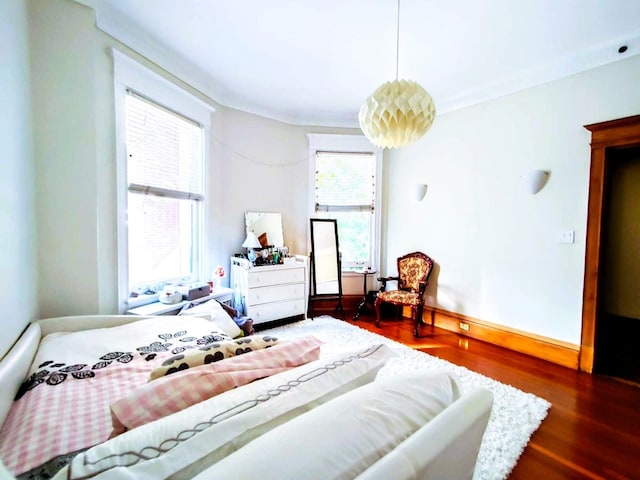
column 165, row 194
column 161, row 141
column 346, row 169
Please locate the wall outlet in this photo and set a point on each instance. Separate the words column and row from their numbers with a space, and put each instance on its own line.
column 464, row 326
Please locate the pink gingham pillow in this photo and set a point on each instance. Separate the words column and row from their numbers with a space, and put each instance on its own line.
column 172, row 393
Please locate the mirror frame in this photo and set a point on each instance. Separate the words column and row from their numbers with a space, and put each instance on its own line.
column 313, row 295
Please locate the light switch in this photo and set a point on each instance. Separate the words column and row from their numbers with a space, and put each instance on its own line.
column 567, row 236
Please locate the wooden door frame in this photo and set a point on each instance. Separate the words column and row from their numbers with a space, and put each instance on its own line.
column 624, row 132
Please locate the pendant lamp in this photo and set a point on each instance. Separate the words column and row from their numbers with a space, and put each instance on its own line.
column 398, row 112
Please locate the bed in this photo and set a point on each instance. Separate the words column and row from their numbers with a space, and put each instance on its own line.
column 123, row 397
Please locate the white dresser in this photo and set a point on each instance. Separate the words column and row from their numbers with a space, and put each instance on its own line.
column 270, row 292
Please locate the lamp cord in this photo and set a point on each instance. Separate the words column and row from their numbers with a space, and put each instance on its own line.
column 397, row 38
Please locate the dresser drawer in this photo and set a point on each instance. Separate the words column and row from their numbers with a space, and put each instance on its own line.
column 264, row 278
column 275, row 293
column 270, row 292
column 267, row 312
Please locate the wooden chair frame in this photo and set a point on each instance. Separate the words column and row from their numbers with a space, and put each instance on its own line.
column 416, row 309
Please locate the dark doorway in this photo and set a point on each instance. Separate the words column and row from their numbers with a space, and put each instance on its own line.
column 618, row 313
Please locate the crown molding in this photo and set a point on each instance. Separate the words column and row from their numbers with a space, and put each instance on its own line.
column 569, row 65
column 120, row 28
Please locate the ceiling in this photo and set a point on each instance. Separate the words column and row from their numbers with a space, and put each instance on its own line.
column 313, row 62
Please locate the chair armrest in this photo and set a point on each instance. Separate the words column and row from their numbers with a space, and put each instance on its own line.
column 387, row 279
column 383, row 281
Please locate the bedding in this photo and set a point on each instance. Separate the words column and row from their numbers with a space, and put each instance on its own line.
column 182, row 445
column 218, row 314
column 325, row 396
column 64, row 404
column 213, row 352
column 173, row 393
column 343, row 437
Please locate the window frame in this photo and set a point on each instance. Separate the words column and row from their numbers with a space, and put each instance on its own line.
column 340, row 143
column 131, row 75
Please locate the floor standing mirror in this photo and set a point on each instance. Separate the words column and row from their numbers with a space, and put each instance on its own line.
column 325, row 272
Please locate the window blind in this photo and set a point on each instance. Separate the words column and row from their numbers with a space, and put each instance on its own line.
column 165, row 182
column 345, row 182
column 164, row 150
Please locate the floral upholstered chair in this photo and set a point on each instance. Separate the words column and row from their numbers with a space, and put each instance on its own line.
column 413, row 276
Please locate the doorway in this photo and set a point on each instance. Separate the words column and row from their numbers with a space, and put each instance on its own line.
column 618, row 314
column 605, row 324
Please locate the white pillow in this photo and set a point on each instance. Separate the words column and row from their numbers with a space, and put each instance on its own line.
column 185, row 443
column 343, row 437
column 213, row 311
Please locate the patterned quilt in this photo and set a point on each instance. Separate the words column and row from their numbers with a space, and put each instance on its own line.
column 64, row 405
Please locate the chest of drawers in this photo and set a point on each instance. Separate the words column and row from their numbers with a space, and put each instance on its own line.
column 269, row 292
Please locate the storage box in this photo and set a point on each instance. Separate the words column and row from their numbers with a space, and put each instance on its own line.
column 197, row 291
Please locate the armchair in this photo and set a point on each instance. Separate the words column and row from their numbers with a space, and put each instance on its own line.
column 413, row 276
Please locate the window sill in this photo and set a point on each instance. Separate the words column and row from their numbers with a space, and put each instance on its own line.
column 222, row 294
column 357, row 273
column 140, row 300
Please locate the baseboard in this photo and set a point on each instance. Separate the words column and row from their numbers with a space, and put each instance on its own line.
column 549, row 349
column 555, row 351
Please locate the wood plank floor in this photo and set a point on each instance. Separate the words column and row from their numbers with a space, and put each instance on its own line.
column 592, row 430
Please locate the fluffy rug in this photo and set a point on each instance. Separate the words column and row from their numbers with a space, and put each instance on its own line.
column 515, row 415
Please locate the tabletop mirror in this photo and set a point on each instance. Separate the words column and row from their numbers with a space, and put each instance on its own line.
column 267, row 226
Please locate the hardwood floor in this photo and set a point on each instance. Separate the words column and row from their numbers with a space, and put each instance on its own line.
column 592, row 430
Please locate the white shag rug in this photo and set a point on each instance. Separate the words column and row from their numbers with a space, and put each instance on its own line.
column 515, row 415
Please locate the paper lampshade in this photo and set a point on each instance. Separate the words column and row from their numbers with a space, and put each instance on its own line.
column 397, row 114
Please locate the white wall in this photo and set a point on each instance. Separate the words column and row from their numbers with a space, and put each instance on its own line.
column 63, row 97
column 18, row 279
column 495, row 244
column 264, row 168
column 256, row 164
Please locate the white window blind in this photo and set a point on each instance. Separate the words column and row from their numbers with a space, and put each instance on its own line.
column 345, row 182
column 164, row 149
column 345, row 190
column 165, row 193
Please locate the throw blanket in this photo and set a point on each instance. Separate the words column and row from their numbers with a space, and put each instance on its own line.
column 64, row 405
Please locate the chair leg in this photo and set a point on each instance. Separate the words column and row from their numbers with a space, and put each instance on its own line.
column 419, row 320
column 376, row 306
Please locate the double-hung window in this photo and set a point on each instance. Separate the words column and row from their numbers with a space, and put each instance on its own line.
column 161, row 136
column 165, row 194
column 345, row 175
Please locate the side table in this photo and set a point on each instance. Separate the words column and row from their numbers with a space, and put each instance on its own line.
column 363, row 304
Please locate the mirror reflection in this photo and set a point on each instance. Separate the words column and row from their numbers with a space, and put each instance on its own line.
column 325, row 257
column 267, row 226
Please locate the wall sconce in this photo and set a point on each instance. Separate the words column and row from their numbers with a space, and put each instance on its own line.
column 535, row 180
column 421, row 191
column 251, row 243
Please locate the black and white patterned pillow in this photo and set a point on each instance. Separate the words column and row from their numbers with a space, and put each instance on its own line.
column 213, row 352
